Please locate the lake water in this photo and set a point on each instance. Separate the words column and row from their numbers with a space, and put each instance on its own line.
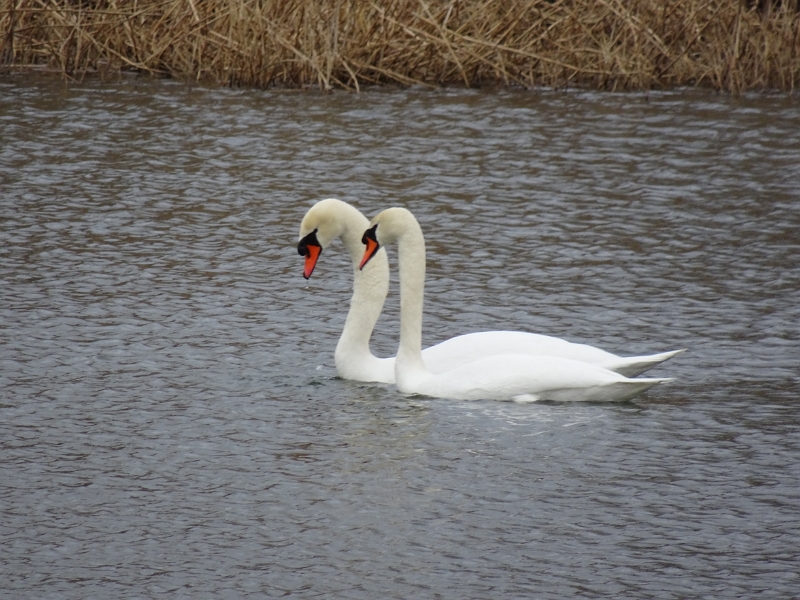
column 171, row 423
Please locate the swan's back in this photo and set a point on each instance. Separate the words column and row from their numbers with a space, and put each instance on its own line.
column 472, row 346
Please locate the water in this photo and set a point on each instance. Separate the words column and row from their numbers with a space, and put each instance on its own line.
column 170, row 420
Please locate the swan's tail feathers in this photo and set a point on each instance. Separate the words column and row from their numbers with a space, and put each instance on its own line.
column 631, row 366
column 625, row 390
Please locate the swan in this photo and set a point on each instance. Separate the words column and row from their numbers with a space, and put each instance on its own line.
column 324, row 222
column 330, row 219
column 510, row 376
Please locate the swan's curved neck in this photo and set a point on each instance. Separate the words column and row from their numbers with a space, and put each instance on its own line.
column 370, row 288
column 411, row 262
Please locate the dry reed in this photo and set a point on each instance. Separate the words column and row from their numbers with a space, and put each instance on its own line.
column 732, row 45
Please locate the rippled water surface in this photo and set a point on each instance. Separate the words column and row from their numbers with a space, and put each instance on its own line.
column 171, row 424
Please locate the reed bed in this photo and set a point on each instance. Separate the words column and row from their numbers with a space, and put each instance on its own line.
column 731, row 45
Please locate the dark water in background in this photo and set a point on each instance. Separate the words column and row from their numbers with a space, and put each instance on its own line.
column 170, row 421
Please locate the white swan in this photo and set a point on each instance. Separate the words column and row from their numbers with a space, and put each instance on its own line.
column 323, row 223
column 330, row 219
column 518, row 377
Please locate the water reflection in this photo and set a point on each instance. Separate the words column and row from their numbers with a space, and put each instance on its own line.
column 171, row 421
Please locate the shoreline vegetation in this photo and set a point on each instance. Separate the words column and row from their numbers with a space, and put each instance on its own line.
column 727, row 45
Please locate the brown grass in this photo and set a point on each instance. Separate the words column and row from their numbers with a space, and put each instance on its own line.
column 732, row 45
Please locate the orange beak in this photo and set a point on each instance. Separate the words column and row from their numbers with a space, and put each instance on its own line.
column 372, row 248
column 311, row 260
column 309, row 247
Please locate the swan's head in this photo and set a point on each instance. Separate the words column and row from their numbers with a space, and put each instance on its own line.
column 324, row 222
column 387, row 228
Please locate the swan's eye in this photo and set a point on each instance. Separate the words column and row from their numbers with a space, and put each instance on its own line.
column 309, row 240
